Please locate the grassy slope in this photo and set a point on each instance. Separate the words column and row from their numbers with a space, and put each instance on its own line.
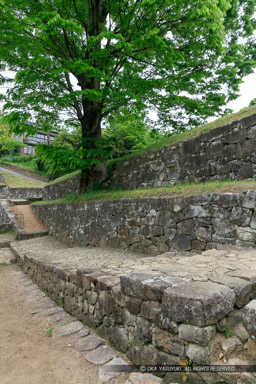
column 65, row 177
column 177, row 137
column 20, row 182
column 171, row 191
column 27, row 165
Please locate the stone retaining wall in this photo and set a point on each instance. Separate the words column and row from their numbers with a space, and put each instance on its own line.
column 223, row 152
column 63, row 188
column 157, row 320
column 4, row 218
column 24, row 193
column 7, row 192
column 155, row 225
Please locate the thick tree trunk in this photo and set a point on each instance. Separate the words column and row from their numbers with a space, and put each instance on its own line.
column 91, row 128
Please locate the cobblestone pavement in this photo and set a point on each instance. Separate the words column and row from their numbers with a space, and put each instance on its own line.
column 231, row 261
column 42, row 344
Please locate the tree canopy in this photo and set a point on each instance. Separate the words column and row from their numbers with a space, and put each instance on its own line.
column 86, row 59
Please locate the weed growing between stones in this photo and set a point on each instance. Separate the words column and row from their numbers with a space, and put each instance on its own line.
column 228, row 332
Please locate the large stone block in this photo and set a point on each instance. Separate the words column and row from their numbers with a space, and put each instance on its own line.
column 198, row 303
column 242, row 288
column 144, row 286
column 249, row 319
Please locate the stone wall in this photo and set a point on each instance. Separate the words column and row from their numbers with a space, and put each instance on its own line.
column 227, row 151
column 25, row 193
column 63, row 188
column 4, row 220
column 7, row 192
column 155, row 320
column 153, row 226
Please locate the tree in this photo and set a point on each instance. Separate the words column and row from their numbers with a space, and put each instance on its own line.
column 127, row 133
column 89, row 58
column 7, row 144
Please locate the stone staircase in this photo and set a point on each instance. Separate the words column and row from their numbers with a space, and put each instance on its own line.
column 23, row 219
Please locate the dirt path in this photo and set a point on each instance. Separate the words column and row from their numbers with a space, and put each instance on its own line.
column 27, row 354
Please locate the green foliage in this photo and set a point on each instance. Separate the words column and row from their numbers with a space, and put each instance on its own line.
column 59, row 160
column 124, row 54
column 49, row 332
column 7, row 144
column 228, row 332
column 62, row 302
column 252, row 102
column 129, row 134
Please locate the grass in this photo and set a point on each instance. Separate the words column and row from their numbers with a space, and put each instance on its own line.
column 3, row 267
column 189, row 134
column 65, row 177
column 20, row 182
column 187, row 189
column 26, row 162
column 49, row 332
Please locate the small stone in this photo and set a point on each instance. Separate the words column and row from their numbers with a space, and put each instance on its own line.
column 198, row 335
column 111, row 370
column 101, row 355
column 88, row 343
column 241, row 333
column 167, row 342
column 82, row 333
column 51, row 311
column 143, row 378
column 246, row 234
column 198, row 354
column 243, row 288
column 149, row 309
column 61, row 317
column 67, row 329
column 249, row 200
column 223, row 226
column 230, row 344
column 182, row 243
column 249, row 318
column 133, row 305
column 119, row 338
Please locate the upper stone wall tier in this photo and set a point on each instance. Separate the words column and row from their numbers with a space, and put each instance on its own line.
column 63, row 188
column 223, row 152
column 154, row 226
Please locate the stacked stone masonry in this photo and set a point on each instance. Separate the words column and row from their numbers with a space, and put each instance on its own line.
column 223, row 152
column 7, row 192
column 157, row 320
column 62, row 188
column 156, row 225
